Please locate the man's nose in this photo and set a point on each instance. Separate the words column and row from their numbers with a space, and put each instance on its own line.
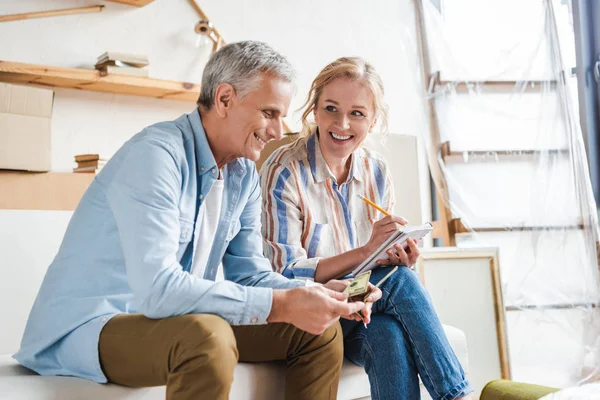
column 277, row 130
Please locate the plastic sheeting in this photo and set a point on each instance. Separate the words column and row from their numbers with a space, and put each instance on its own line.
column 516, row 174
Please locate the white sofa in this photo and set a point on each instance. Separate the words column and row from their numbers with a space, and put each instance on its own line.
column 24, row 263
column 26, row 253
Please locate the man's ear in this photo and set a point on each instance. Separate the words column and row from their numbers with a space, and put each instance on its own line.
column 224, row 95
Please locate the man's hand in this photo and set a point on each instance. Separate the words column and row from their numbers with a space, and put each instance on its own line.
column 312, row 309
column 338, row 285
column 375, row 294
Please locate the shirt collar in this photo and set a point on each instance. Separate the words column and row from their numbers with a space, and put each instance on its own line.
column 318, row 166
column 205, row 158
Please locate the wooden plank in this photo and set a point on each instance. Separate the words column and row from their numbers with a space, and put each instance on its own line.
column 87, row 79
column 137, row 3
column 557, row 306
column 42, row 191
column 441, row 186
column 51, row 13
column 496, row 86
column 458, row 228
column 480, row 156
column 571, row 227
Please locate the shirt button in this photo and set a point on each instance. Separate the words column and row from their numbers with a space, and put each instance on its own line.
column 214, row 171
column 201, row 196
column 103, row 320
column 202, row 169
column 254, row 320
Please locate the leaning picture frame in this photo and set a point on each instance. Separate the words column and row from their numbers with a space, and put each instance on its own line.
column 465, row 288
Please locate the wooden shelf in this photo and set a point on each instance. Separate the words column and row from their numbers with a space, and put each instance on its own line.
column 88, row 79
column 137, row 3
column 483, row 156
column 42, row 190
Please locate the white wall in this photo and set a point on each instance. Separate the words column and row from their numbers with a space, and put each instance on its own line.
column 310, row 33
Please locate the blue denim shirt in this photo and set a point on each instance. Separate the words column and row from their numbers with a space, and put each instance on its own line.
column 130, row 243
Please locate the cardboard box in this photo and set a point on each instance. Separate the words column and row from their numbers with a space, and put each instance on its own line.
column 25, row 117
column 42, row 191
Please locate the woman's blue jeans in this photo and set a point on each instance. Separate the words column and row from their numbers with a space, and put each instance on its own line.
column 404, row 340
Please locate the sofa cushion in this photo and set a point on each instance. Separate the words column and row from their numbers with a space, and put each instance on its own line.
column 251, row 381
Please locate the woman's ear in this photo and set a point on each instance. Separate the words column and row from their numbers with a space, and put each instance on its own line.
column 373, row 124
column 224, row 96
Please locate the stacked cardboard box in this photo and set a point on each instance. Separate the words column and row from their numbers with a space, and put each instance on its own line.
column 25, row 118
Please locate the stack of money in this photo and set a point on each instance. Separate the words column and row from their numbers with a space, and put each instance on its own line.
column 358, row 287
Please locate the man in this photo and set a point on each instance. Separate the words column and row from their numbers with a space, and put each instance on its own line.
column 131, row 296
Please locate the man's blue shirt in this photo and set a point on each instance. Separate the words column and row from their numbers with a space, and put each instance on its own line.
column 129, row 248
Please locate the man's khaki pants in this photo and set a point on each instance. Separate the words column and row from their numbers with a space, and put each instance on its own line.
column 195, row 355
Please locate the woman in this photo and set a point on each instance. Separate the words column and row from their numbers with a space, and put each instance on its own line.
column 315, row 227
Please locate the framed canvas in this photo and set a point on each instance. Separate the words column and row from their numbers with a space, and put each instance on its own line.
column 464, row 285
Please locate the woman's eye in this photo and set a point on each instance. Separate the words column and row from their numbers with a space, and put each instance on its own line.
column 331, row 108
column 357, row 114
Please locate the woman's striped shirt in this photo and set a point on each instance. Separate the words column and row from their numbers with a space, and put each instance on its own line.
column 308, row 216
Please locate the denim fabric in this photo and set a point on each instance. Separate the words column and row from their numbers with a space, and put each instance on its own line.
column 404, row 340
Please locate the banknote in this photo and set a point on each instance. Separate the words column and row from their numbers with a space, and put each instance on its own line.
column 359, row 285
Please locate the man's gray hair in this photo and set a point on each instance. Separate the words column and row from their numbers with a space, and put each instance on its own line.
column 240, row 64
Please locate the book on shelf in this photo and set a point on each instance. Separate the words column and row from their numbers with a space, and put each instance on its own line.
column 89, row 163
column 85, row 164
column 134, row 60
column 89, row 157
column 122, row 64
column 132, row 71
column 86, row 169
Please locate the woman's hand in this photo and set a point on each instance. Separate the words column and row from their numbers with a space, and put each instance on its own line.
column 382, row 230
column 399, row 256
column 375, row 294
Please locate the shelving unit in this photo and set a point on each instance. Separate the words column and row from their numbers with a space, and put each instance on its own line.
column 84, row 79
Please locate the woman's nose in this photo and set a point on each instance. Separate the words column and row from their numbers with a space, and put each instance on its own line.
column 344, row 122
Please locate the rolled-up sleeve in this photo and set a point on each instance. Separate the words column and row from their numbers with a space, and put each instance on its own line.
column 144, row 195
column 282, row 224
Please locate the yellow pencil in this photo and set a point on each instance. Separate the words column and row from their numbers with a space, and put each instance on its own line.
column 369, row 202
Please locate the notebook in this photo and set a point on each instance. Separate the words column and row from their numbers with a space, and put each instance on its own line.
column 413, row 232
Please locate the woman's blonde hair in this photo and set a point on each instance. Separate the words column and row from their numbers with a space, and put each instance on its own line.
column 353, row 68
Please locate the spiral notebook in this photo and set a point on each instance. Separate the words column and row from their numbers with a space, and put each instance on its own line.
column 417, row 232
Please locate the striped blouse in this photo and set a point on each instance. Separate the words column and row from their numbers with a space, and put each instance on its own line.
column 308, row 216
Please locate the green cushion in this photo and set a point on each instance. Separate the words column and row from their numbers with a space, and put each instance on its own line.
column 509, row 390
